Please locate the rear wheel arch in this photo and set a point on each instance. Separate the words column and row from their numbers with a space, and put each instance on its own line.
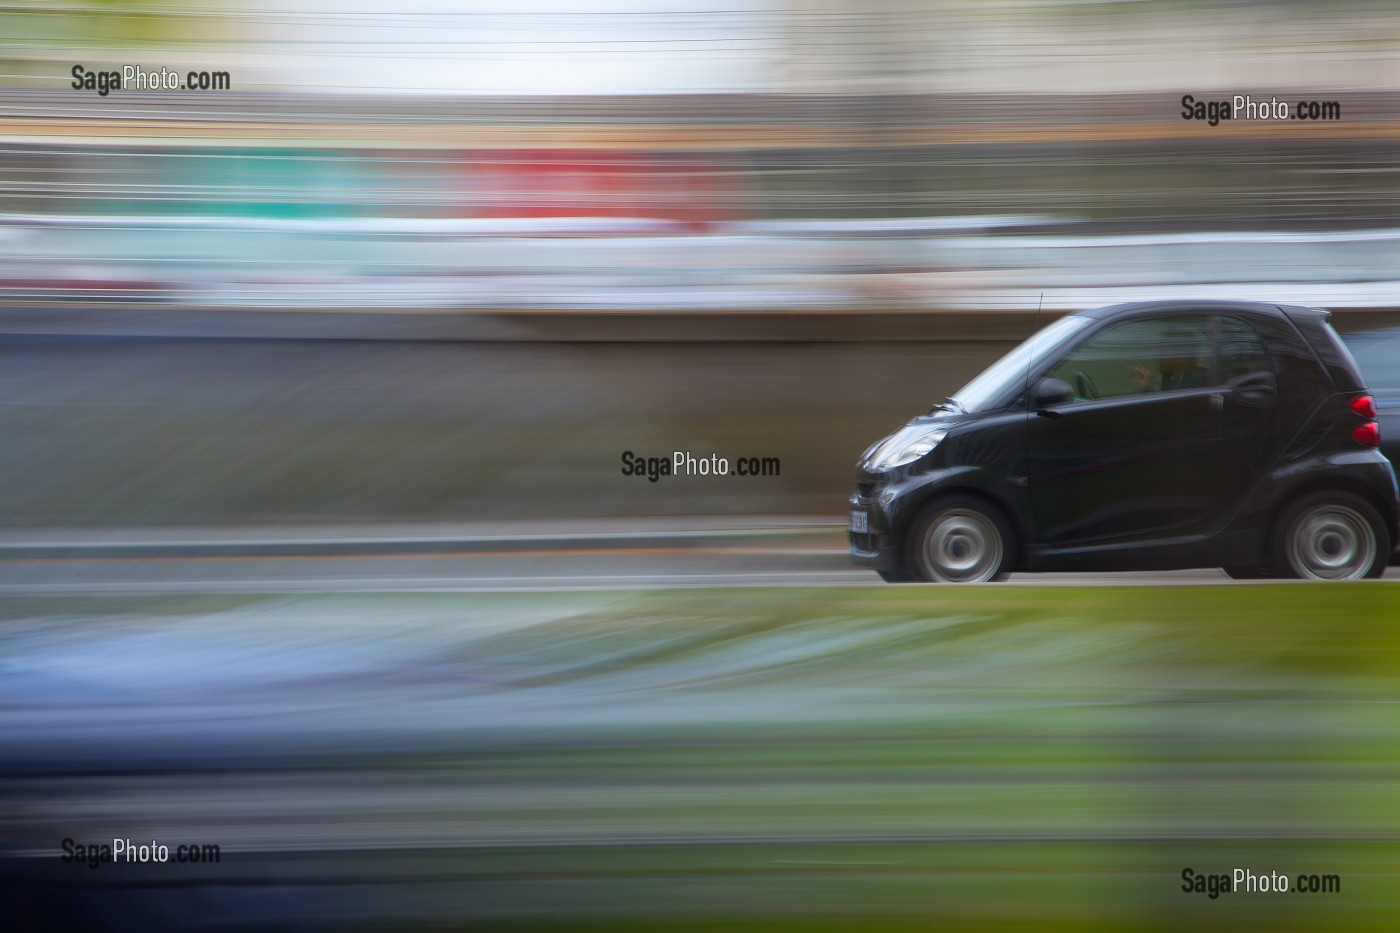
column 1316, row 485
column 1330, row 531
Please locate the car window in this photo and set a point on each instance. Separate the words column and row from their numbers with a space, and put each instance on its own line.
column 1241, row 350
column 1150, row 355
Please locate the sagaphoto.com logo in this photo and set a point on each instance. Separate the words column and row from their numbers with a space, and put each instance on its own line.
column 1245, row 107
column 135, row 78
column 686, row 463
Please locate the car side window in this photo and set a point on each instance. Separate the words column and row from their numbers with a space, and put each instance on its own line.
column 1136, row 357
column 1242, row 350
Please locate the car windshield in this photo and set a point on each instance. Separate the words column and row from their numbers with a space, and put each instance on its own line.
column 984, row 391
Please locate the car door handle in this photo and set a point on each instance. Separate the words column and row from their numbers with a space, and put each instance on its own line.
column 1217, row 402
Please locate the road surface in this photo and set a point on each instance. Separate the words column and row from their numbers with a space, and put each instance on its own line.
column 485, row 557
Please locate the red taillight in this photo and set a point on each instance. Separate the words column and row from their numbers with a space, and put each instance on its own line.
column 1365, row 406
column 1368, row 435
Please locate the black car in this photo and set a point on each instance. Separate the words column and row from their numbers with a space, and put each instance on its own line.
column 1377, row 356
column 1147, row 436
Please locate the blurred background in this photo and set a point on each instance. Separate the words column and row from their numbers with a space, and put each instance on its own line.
column 646, row 155
column 315, row 542
column 821, row 216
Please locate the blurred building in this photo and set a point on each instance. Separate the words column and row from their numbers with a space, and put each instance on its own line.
column 695, row 155
column 698, row 46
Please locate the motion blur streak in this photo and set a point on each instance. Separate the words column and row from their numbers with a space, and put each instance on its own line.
column 640, row 154
column 771, row 759
column 395, row 302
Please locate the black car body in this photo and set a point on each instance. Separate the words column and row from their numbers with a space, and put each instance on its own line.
column 1158, row 435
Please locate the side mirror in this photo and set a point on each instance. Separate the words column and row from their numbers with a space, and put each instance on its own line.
column 1050, row 391
column 1257, row 390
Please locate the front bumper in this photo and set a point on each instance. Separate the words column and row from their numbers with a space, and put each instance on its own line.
column 891, row 503
column 878, row 546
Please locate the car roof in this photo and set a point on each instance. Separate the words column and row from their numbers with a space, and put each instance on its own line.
column 1199, row 304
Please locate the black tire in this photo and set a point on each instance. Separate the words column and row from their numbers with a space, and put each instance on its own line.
column 896, row 576
column 1330, row 536
column 1250, row 573
column 961, row 539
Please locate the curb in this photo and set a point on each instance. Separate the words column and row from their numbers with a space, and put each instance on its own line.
column 409, row 545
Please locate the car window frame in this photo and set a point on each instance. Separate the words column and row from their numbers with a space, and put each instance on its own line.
column 1218, row 337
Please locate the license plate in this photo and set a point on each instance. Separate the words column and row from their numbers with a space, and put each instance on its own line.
column 860, row 523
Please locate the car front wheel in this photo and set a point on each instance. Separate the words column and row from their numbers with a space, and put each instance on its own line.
column 1331, row 536
column 962, row 539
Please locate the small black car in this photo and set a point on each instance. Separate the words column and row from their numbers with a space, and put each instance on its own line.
column 1147, row 436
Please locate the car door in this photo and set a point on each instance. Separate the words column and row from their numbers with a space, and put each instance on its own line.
column 1249, row 402
column 1137, row 452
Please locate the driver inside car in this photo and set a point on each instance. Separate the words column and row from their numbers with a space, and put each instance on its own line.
column 1179, row 365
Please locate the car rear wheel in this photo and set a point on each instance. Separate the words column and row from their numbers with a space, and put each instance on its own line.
column 962, row 539
column 1331, row 536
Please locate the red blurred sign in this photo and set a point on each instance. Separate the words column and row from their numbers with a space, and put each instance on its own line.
column 693, row 190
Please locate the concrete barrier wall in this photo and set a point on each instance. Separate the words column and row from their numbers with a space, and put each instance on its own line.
column 116, row 416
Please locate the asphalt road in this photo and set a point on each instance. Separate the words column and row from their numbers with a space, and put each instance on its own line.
column 498, row 557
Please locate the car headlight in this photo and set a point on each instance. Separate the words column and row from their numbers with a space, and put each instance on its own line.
column 905, row 446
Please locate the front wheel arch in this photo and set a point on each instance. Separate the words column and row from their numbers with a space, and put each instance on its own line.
column 959, row 511
column 973, row 485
